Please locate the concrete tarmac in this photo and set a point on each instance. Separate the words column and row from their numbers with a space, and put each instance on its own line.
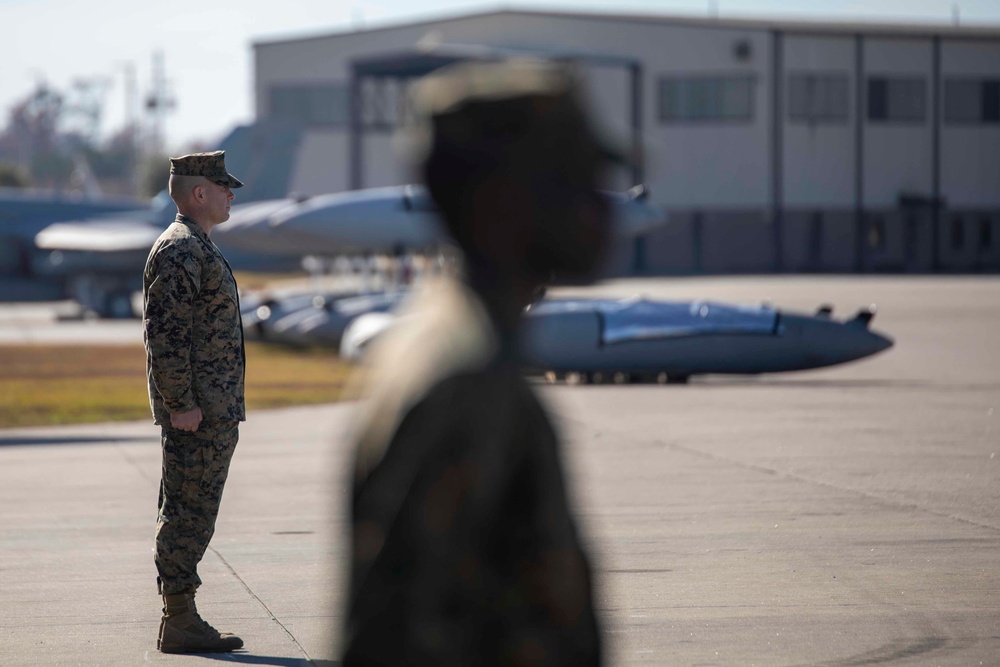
column 847, row 516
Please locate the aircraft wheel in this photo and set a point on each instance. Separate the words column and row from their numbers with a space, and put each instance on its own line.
column 576, row 378
column 597, row 377
column 621, row 378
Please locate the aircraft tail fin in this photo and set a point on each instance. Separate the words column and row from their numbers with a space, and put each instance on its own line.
column 263, row 156
column 864, row 316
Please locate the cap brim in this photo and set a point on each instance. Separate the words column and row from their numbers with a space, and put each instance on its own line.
column 231, row 182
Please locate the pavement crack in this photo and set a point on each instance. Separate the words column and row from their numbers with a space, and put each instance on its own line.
column 135, row 464
column 896, row 504
column 232, row 570
column 263, row 605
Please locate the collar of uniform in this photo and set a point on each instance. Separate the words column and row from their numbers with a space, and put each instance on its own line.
column 199, row 232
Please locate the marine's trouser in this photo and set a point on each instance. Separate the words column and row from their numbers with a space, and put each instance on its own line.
column 195, row 467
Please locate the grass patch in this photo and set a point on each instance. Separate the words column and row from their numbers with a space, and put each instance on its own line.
column 43, row 385
column 255, row 280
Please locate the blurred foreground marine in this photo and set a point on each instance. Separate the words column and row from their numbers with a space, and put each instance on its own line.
column 195, row 363
column 465, row 551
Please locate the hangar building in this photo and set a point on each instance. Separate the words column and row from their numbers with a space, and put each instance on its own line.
column 773, row 145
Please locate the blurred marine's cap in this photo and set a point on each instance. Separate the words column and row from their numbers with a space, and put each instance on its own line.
column 486, row 107
column 210, row 165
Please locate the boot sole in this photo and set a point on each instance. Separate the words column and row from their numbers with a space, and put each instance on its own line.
column 185, row 649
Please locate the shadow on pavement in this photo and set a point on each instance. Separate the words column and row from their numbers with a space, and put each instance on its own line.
column 250, row 659
column 784, row 382
column 27, row 440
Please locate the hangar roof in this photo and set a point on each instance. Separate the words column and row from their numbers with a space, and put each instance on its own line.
column 785, row 24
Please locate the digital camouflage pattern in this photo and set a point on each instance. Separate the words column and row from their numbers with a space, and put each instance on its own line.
column 464, row 548
column 195, row 468
column 210, row 165
column 192, row 327
column 194, row 358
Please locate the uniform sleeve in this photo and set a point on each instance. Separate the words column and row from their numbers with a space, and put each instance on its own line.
column 555, row 579
column 175, row 280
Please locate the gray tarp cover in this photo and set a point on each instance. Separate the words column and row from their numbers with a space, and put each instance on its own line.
column 639, row 319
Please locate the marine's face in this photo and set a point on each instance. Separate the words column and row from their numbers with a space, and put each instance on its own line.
column 572, row 218
column 217, row 202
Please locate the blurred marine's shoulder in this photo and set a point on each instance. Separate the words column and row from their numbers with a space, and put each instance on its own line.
column 444, row 333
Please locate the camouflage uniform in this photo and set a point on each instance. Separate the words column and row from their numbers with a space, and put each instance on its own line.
column 464, row 548
column 194, row 358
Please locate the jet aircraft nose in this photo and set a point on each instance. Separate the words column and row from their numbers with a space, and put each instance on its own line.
column 881, row 342
column 821, row 342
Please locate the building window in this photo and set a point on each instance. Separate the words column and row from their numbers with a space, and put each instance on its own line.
column 971, row 101
column 710, row 98
column 385, row 103
column 818, row 98
column 325, row 104
column 902, row 100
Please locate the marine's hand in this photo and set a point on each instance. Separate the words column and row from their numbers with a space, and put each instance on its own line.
column 186, row 421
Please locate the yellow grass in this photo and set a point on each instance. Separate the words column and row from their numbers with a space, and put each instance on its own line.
column 254, row 280
column 44, row 385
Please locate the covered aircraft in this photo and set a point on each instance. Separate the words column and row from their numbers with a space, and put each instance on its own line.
column 24, row 213
column 29, row 271
column 638, row 339
column 313, row 319
column 99, row 260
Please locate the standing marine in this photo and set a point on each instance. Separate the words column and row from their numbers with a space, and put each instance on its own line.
column 464, row 548
column 195, row 363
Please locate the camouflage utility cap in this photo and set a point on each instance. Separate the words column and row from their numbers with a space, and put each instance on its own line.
column 210, row 165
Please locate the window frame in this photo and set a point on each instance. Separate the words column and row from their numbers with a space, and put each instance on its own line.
column 312, row 87
column 889, row 119
column 750, row 78
column 982, row 115
column 807, row 119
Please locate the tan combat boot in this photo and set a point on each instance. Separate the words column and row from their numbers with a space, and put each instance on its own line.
column 182, row 630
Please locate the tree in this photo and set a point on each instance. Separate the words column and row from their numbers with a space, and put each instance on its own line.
column 53, row 137
column 12, row 176
column 154, row 171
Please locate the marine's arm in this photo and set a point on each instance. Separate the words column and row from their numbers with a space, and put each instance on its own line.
column 414, row 525
column 174, row 281
column 554, row 575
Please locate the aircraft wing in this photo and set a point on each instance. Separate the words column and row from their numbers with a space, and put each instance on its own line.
column 249, row 230
column 98, row 236
column 375, row 219
column 384, row 219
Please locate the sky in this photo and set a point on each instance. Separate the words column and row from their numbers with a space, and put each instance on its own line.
column 207, row 49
